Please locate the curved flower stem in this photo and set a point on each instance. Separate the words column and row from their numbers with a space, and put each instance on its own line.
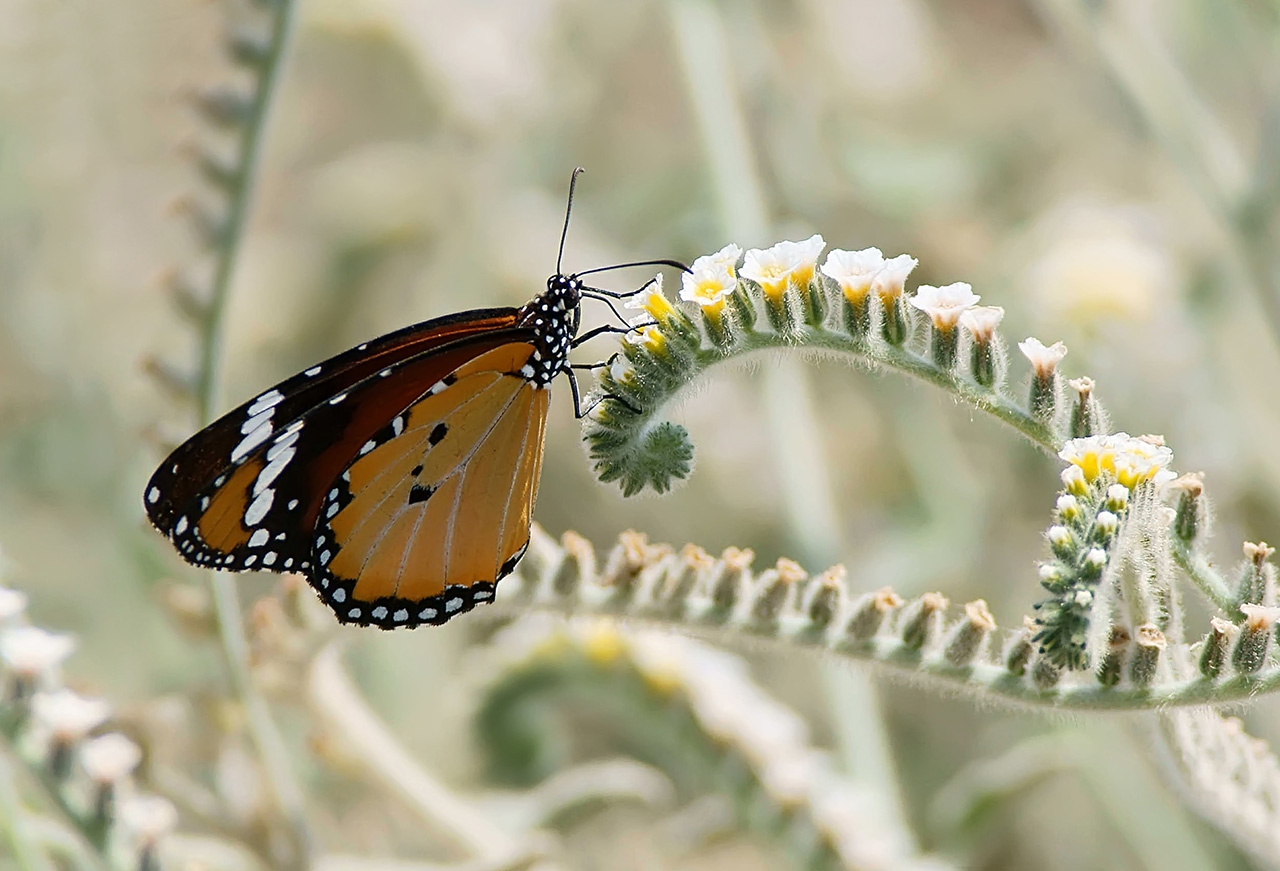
column 725, row 601
column 1203, row 575
column 239, row 208
column 900, row 359
column 262, row 729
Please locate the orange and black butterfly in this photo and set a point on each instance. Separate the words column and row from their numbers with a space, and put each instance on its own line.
column 398, row 476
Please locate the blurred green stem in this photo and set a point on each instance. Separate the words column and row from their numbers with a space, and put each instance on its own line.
column 271, row 747
column 11, row 811
column 25, row 854
column 341, row 707
column 811, row 512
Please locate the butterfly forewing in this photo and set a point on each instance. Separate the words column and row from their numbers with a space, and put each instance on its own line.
column 436, row 508
column 177, row 484
column 260, row 509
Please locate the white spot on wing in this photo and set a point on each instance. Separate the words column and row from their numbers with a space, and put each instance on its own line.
column 367, row 446
column 452, row 605
column 259, row 507
column 339, row 595
column 270, row 399
column 312, row 372
column 153, row 495
column 181, row 526
column 378, row 613
column 272, row 471
column 251, row 441
column 259, row 538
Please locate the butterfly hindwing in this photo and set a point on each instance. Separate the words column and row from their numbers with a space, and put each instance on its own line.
column 435, row 509
column 176, row 485
column 261, row 508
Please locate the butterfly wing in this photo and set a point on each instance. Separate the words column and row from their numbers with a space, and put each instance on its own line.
column 228, row 441
column 435, row 509
column 259, row 509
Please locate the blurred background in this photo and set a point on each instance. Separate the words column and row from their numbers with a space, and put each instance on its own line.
column 1104, row 170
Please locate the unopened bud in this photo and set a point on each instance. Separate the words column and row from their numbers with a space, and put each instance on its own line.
column 968, row 636
column 1213, row 655
column 1149, row 644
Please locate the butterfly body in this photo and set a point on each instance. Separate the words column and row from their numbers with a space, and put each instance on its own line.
column 399, row 476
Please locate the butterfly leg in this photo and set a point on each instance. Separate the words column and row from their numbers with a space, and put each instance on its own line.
column 591, row 334
column 578, row 411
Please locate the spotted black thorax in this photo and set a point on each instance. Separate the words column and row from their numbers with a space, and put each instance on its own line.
column 554, row 316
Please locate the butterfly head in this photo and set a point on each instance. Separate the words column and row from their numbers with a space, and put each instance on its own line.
column 565, row 290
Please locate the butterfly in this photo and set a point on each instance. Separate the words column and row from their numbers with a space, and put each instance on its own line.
column 399, row 476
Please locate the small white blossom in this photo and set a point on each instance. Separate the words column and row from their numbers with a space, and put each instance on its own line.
column 1096, row 557
column 30, row 651
column 1117, row 497
column 1049, row 572
column 1130, row 460
column 1043, row 359
column 653, row 302
column 1083, row 598
column 108, row 758
column 944, row 305
column 1059, row 536
column 148, row 817
column 1073, row 480
column 711, row 278
column 646, row 334
column 1068, row 506
column 621, row 371
column 724, row 260
column 784, row 264
column 981, row 321
column 853, row 270
column 68, row 716
column 1107, row 523
column 1259, row 618
column 12, row 604
column 892, row 277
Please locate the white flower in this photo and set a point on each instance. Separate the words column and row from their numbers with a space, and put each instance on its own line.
column 108, row 758
column 724, row 260
column 67, row 715
column 711, row 278
column 12, row 603
column 853, row 270
column 981, row 321
column 645, row 334
column 653, row 301
column 148, row 817
column 783, row 264
column 1043, row 359
column 945, row 304
column 621, row 371
column 892, row 277
column 31, row 651
column 1259, row 618
column 1130, row 461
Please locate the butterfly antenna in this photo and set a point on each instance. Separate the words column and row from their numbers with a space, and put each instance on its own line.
column 564, row 234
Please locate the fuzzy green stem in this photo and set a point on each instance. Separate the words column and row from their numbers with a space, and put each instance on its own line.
column 266, row 737
column 1202, row 574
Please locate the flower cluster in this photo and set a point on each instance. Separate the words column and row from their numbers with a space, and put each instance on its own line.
column 1119, row 458
column 733, row 302
column 1102, row 474
column 56, row 732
